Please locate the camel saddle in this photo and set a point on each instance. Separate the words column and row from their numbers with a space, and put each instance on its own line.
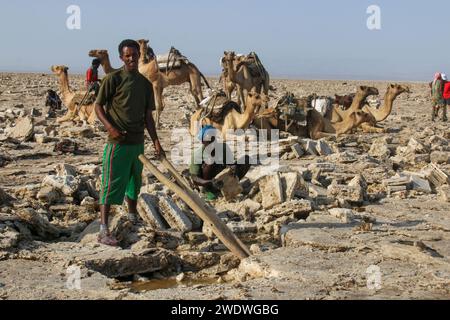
column 171, row 60
column 217, row 106
column 292, row 109
column 89, row 99
column 254, row 65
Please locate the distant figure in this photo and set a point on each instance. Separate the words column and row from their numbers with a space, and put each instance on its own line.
column 53, row 102
column 92, row 82
column 446, row 96
column 438, row 102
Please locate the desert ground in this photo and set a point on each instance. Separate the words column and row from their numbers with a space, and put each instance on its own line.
column 363, row 216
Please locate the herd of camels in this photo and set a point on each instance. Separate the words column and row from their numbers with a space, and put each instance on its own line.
column 249, row 78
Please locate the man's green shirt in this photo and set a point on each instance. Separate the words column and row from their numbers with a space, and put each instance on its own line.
column 126, row 96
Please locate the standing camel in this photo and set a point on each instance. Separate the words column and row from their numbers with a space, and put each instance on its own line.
column 103, row 56
column 187, row 72
column 239, row 73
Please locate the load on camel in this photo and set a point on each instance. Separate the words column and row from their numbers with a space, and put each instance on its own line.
column 225, row 115
column 72, row 100
column 247, row 73
column 177, row 70
column 299, row 117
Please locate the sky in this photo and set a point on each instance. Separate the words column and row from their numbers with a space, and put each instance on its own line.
column 321, row 39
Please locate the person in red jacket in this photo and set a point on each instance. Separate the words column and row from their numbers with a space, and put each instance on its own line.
column 446, row 96
column 92, row 81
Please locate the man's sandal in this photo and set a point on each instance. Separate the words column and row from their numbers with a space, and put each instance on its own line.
column 107, row 240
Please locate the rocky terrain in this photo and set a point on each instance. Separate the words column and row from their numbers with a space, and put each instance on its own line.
column 361, row 216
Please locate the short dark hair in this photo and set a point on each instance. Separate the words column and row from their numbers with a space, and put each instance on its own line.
column 96, row 61
column 128, row 43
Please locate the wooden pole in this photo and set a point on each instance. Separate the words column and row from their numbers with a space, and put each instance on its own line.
column 197, row 205
column 181, row 181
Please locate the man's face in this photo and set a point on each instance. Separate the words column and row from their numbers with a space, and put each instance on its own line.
column 130, row 57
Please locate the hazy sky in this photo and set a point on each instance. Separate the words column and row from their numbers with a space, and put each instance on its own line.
column 322, row 39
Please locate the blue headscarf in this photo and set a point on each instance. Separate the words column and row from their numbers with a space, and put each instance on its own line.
column 203, row 131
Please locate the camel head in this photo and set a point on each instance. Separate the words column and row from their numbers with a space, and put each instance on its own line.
column 257, row 101
column 59, row 69
column 143, row 44
column 368, row 91
column 397, row 89
column 99, row 54
column 228, row 56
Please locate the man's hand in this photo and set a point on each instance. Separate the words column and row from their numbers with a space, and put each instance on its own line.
column 116, row 134
column 159, row 150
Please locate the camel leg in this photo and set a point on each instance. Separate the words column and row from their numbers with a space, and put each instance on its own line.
column 368, row 128
column 319, row 135
column 196, row 92
column 242, row 96
column 158, row 91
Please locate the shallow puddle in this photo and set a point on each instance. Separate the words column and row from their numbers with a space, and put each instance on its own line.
column 156, row 284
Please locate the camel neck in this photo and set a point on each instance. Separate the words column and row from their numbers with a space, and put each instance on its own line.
column 231, row 72
column 385, row 110
column 106, row 64
column 143, row 59
column 64, row 83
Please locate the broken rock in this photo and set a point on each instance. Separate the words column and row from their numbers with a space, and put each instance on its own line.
column 66, row 184
column 64, row 169
column 440, row 157
column 147, row 210
column 24, row 129
column 323, row 148
column 345, row 215
column 271, row 190
column 444, row 193
column 419, row 184
column 174, row 216
column 380, row 149
column 293, row 185
column 230, row 187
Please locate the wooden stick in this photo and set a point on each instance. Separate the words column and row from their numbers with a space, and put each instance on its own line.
column 197, row 205
column 181, row 181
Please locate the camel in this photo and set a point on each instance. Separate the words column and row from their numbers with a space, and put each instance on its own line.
column 228, row 85
column 381, row 113
column 73, row 99
column 320, row 127
column 344, row 101
column 239, row 73
column 337, row 115
column 187, row 72
column 232, row 118
column 103, row 56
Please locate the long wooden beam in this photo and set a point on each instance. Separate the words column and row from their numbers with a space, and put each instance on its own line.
column 219, row 228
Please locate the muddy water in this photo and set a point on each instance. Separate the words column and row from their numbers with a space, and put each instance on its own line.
column 156, row 284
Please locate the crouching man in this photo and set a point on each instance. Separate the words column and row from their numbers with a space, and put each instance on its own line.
column 211, row 159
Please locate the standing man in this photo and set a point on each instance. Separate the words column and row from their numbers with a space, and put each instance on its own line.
column 124, row 105
column 437, row 90
column 446, row 96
